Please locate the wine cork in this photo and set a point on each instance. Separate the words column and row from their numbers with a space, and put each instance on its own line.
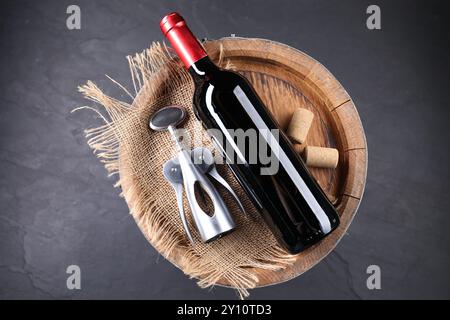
column 321, row 157
column 300, row 123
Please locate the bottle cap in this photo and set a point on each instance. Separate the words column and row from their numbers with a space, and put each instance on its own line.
column 169, row 21
column 186, row 45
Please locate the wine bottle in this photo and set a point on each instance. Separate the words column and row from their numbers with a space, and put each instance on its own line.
column 289, row 199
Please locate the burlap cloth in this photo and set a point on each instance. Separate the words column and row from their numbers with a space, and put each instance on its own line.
column 126, row 146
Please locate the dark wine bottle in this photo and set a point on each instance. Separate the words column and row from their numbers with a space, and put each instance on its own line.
column 289, row 199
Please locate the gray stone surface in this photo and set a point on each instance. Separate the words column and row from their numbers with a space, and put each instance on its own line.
column 58, row 207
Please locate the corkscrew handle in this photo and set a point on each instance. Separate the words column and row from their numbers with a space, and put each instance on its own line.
column 209, row 227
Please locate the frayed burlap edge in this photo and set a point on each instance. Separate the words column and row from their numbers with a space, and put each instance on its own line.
column 150, row 67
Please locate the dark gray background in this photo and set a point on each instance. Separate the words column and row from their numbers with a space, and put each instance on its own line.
column 58, row 207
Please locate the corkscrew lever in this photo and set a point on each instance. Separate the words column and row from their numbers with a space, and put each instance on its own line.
column 172, row 172
column 204, row 159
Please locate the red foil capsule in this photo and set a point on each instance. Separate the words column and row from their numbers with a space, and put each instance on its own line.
column 181, row 38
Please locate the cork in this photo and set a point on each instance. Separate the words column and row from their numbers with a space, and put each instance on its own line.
column 299, row 126
column 321, row 157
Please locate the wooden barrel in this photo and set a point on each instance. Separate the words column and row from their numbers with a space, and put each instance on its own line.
column 285, row 79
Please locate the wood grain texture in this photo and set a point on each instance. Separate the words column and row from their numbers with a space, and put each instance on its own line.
column 286, row 79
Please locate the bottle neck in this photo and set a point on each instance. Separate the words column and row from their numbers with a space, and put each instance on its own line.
column 203, row 69
column 186, row 45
